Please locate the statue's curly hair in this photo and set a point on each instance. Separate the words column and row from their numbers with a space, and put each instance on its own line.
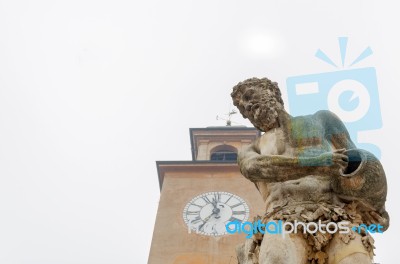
column 270, row 87
column 263, row 83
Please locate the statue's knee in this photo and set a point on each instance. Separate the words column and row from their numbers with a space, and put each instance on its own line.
column 278, row 253
column 289, row 250
column 275, row 257
column 358, row 258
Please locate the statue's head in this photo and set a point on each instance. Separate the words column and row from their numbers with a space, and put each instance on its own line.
column 260, row 101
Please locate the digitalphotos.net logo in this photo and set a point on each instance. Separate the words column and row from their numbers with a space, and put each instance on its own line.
column 284, row 228
column 352, row 94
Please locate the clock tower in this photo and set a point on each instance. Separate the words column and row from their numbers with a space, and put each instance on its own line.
column 200, row 196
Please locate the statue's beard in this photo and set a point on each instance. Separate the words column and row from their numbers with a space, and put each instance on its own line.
column 265, row 115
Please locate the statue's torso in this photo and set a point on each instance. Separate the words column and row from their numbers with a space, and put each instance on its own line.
column 310, row 189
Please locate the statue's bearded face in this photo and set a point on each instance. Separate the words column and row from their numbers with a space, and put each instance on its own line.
column 260, row 106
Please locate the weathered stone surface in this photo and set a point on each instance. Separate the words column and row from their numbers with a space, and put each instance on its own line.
column 307, row 169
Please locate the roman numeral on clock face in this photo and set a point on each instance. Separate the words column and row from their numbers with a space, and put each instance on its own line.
column 236, row 205
column 229, row 198
column 205, row 198
column 193, row 212
column 201, row 228
column 197, row 205
column 233, row 219
column 217, row 197
column 239, row 212
column 196, row 220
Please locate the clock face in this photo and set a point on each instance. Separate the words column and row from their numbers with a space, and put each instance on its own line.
column 208, row 213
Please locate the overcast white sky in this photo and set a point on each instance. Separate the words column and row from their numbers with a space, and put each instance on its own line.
column 92, row 93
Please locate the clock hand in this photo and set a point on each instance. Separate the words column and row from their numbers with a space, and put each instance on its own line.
column 215, row 211
column 208, row 218
column 205, row 221
column 214, row 203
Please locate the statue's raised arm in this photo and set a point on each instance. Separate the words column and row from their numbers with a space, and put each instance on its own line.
column 276, row 168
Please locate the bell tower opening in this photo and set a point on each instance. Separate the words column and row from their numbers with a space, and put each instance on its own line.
column 223, row 153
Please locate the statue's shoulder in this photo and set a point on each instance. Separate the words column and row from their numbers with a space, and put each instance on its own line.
column 325, row 115
column 322, row 116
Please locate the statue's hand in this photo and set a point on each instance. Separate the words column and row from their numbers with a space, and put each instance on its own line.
column 334, row 161
column 372, row 217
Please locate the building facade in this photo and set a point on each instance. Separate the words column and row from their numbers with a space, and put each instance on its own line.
column 199, row 197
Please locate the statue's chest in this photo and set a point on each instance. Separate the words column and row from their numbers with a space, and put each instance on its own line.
column 305, row 136
column 305, row 132
column 273, row 143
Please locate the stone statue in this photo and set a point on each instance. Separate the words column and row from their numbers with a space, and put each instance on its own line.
column 307, row 169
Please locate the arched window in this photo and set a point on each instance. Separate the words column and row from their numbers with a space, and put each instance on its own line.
column 223, row 153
